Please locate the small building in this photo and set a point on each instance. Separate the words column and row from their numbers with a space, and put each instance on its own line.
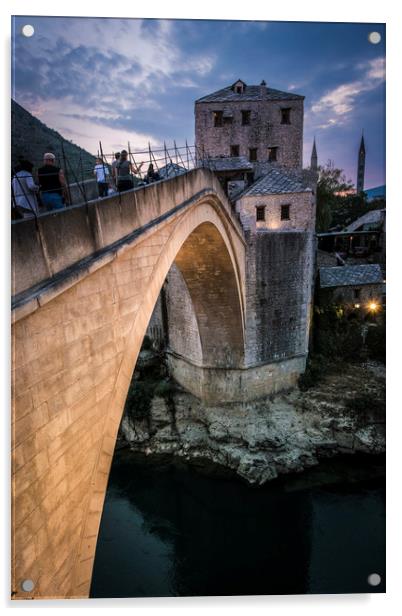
column 278, row 201
column 354, row 287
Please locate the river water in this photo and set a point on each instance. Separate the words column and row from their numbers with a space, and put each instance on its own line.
column 171, row 530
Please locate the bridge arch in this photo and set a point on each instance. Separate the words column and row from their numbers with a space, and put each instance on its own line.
column 74, row 357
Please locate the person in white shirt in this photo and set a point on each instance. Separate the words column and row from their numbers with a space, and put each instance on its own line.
column 101, row 173
column 24, row 190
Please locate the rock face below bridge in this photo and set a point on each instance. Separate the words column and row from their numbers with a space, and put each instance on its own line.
column 285, row 433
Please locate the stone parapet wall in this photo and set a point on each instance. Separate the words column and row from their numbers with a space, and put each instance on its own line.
column 57, row 240
column 79, row 192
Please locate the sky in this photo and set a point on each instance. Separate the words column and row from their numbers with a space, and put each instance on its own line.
column 120, row 80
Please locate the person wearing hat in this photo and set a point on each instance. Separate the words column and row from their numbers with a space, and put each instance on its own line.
column 52, row 183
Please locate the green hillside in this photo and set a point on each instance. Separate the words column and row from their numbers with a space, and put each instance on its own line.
column 30, row 138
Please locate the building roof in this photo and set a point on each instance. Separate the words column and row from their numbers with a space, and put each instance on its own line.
column 229, row 163
column 350, row 275
column 369, row 221
column 250, row 93
column 171, row 170
column 275, row 182
column 378, row 192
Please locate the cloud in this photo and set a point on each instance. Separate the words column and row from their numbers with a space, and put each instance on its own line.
column 103, row 71
column 335, row 106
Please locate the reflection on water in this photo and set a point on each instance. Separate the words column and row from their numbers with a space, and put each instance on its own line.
column 171, row 531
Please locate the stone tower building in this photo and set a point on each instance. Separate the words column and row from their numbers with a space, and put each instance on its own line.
column 263, row 127
column 260, row 123
column 361, row 164
column 253, row 136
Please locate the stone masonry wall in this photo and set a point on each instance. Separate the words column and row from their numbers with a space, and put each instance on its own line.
column 279, row 282
column 184, row 335
column 75, row 339
column 301, row 212
column 346, row 295
column 155, row 329
column 265, row 130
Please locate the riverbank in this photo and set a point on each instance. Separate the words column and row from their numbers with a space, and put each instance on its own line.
column 342, row 413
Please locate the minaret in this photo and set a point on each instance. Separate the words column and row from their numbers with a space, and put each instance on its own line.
column 361, row 163
column 314, row 160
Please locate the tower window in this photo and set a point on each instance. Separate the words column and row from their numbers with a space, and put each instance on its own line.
column 218, row 118
column 245, row 117
column 285, row 212
column 260, row 212
column 285, row 115
column 356, row 293
column 273, row 154
column 234, row 150
column 253, row 154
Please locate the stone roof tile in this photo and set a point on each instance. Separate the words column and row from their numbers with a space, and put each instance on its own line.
column 276, row 181
column 250, row 93
column 350, row 275
column 229, row 163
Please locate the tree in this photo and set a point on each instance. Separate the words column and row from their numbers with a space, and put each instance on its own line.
column 331, row 185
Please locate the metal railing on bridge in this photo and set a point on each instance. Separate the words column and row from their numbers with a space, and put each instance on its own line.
column 167, row 162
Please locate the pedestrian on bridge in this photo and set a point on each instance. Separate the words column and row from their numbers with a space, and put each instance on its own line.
column 24, row 190
column 114, row 164
column 101, row 173
column 151, row 176
column 52, row 183
column 124, row 171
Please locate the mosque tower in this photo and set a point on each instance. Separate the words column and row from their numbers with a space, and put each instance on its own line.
column 314, row 160
column 361, row 163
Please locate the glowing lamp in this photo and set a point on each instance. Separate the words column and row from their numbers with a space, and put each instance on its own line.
column 373, row 306
column 357, row 305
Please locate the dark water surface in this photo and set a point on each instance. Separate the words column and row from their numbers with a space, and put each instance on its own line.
column 169, row 530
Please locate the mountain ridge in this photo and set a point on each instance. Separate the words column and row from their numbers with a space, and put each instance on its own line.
column 31, row 138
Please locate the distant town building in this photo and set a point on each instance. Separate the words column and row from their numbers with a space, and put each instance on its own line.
column 378, row 192
column 171, row 170
column 355, row 287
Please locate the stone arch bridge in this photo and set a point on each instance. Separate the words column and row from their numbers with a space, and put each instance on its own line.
column 85, row 282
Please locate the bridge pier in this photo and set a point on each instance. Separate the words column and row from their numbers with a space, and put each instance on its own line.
column 216, row 385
